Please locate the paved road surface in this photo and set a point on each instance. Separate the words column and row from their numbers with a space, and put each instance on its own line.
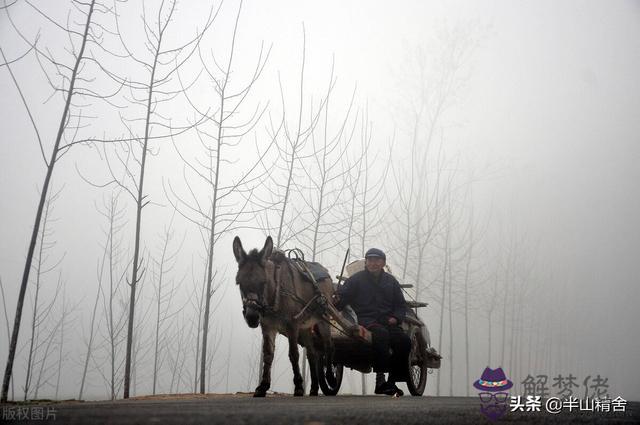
column 282, row 409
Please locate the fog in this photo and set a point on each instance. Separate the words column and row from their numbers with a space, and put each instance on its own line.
column 514, row 124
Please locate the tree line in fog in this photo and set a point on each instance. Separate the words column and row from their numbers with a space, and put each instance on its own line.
column 134, row 90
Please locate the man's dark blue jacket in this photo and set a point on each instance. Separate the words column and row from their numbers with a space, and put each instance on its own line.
column 373, row 300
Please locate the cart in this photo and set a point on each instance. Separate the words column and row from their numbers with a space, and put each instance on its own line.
column 352, row 346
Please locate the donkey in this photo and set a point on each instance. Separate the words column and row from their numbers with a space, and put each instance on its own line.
column 275, row 296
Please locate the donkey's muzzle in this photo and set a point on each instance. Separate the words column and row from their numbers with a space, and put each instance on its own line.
column 251, row 316
column 252, row 310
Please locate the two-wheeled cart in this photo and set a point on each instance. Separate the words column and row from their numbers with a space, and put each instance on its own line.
column 352, row 346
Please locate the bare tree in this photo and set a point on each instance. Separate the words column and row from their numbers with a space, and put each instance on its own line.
column 100, row 272
column 446, row 274
column 286, row 169
column 366, row 190
column 251, row 356
column 41, row 314
column 142, row 345
column 228, row 368
column 452, row 254
column 490, row 304
column 214, row 210
column 160, row 65
column 45, row 371
column 522, row 288
column 72, row 85
column 423, row 184
column 470, row 239
column 434, row 86
column 116, row 320
column 176, row 358
column 164, row 300
column 198, row 307
column 61, row 355
column 325, row 171
column 364, row 209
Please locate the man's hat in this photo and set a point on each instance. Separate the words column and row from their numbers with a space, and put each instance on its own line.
column 493, row 380
column 375, row 252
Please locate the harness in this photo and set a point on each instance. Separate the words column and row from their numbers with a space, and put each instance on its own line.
column 293, row 258
column 286, row 261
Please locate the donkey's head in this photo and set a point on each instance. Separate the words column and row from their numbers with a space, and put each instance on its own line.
column 252, row 279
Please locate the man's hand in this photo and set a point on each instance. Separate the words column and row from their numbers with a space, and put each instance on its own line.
column 392, row 321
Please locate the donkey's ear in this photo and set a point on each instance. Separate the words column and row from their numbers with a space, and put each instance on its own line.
column 267, row 249
column 238, row 251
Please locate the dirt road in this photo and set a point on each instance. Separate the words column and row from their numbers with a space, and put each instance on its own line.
column 283, row 409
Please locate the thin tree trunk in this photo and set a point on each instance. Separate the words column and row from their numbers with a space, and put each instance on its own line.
column 112, row 332
column 182, row 363
column 450, row 284
column 512, row 337
column 442, row 301
column 407, row 242
column 108, row 248
column 228, row 360
column 6, row 319
column 466, row 306
column 493, row 306
column 365, row 191
column 363, row 241
column 158, row 306
column 140, row 203
column 91, row 333
column 44, row 359
column 529, row 352
column 176, row 363
column 504, row 319
column 419, row 273
column 64, row 314
column 520, row 336
column 214, row 205
column 294, row 148
column 155, row 351
column 199, row 330
column 34, row 319
column 207, row 300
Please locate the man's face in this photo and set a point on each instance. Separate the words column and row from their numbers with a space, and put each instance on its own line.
column 374, row 264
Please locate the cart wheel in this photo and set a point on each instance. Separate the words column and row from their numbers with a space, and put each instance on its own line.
column 417, row 363
column 329, row 386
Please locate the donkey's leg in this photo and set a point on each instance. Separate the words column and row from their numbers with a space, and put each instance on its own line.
column 306, row 338
column 294, row 356
column 268, row 348
column 327, row 344
column 312, row 356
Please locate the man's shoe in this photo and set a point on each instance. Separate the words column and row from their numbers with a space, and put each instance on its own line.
column 386, row 389
column 397, row 391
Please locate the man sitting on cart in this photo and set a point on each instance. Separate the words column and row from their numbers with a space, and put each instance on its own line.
column 377, row 299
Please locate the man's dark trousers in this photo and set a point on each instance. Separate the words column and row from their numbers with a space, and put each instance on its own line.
column 383, row 338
